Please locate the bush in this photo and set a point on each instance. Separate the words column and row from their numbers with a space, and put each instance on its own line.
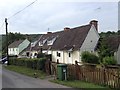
column 109, row 60
column 88, row 57
column 36, row 63
column 40, row 55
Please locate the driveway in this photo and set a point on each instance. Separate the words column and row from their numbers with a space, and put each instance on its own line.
column 12, row 79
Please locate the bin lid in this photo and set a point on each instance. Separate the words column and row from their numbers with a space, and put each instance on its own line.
column 62, row 65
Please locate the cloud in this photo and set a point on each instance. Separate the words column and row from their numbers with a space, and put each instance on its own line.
column 56, row 15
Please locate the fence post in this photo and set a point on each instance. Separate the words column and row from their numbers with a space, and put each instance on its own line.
column 77, row 70
column 104, row 75
column 118, row 77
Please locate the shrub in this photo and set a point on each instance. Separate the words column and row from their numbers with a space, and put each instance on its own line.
column 109, row 60
column 40, row 55
column 88, row 57
column 36, row 63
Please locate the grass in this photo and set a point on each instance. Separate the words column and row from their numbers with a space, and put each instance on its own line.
column 80, row 84
column 26, row 71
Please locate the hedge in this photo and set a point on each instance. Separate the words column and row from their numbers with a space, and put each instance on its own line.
column 109, row 60
column 37, row 63
column 88, row 57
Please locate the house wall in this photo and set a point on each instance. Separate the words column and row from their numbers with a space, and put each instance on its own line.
column 64, row 57
column 13, row 51
column 91, row 40
column 55, row 57
column 23, row 45
column 75, row 56
column 32, row 54
column 88, row 45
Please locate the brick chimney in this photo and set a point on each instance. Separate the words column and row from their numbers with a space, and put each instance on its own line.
column 66, row 28
column 95, row 23
column 49, row 32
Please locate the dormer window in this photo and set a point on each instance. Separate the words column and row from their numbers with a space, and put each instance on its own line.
column 33, row 44
column 41, row 43
column 50, row 42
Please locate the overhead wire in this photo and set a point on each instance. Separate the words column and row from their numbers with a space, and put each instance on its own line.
column 17, row 13
column 22, row 9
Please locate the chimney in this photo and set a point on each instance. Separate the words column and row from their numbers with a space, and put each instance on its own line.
column 66, row 28
column 49, row 32
column 95, row 23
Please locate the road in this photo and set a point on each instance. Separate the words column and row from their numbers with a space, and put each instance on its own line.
column 0, row 76
column 12, row 79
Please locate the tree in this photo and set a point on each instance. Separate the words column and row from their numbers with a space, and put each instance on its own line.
column 88, row 57
column 109, row 60
column 103, row 49
column 118, row 32
column 11, row 38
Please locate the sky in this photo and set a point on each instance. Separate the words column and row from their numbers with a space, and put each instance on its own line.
column 54, row 15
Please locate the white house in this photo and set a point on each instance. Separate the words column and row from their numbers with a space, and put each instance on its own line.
column 67, row 45
column 17, row 47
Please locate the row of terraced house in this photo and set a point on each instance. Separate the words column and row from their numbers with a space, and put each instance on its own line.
column 64, row 46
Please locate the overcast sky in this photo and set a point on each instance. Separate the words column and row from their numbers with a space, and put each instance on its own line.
column 57, row 14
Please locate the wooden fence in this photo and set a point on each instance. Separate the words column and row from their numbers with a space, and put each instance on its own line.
column 106, row 76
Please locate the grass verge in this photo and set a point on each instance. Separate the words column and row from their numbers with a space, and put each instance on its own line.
column 80, row 84
column 26, row 71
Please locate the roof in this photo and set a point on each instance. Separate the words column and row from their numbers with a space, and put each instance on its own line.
column 65, row 40
column 113, row 42
column 15, row 44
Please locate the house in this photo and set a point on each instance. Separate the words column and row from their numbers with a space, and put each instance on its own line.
column 17, row 47
column 29, row 51
column 67, row 45
column 113, row 43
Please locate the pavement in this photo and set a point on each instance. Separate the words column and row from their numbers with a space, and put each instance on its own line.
column 12, row 79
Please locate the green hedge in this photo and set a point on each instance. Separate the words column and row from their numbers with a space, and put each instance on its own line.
column 88, row 57
column 109, row 60
column 37, row 63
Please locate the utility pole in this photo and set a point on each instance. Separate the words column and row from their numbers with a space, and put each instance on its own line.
column 6, row 24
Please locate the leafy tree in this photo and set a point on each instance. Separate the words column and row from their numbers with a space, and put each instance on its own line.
column 109, row 60
column 118, row 32
column 88, row 57
column 11, row 38
column 103, row 49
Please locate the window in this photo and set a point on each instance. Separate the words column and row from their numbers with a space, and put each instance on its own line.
column 33, row 44
column 28, row 54
column 41, row 43
column 50, row 42
column 35, row 54
column 58, row 54
column 69, row 54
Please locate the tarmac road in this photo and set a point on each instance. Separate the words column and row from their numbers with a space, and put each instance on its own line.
column 12, row 79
